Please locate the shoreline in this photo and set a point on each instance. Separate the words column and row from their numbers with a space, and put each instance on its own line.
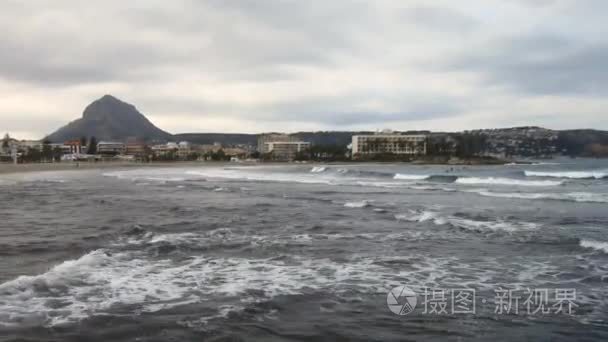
column 73, row 166
column 7, row 168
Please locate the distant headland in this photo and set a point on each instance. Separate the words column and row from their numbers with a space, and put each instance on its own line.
column 112, row 128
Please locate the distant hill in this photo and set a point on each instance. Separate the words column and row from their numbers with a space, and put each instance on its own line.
column 110, row 119
column 583, row 142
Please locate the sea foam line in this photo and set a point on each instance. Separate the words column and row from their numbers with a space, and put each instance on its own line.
column 463, row 223
column 410, row 177
column 507, row 181
column 582, row 197
column 568, row 174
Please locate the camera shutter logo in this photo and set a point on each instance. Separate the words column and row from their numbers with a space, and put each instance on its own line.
column 401, row 300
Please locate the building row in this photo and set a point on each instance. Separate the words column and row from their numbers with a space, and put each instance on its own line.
column 271, row 146
column 287, row 147
column 281, row 146
column 13, row 150
column 389, row 143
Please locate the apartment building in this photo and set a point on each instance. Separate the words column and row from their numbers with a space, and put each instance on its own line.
column 110, row 148
column 393, row 143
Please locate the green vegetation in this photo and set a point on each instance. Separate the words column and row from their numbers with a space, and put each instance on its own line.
column 92, row 146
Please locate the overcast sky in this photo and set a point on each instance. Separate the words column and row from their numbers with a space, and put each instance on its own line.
column 254, row 66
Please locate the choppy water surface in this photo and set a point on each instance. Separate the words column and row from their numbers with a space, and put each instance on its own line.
column 300, row 252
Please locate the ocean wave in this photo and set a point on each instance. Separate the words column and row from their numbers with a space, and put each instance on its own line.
column 358, row 204
column 135, row 282
column 596, row 245
column 583, row 197
column 533, row 164
column 465, row 223
column 146, row 175
column 410, row 177
column 258, row 176
column 569, row 174
column 427, row 178
column 506, row 181
column 100, row 281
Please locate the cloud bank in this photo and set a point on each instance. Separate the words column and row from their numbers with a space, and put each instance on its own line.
column 287, row 65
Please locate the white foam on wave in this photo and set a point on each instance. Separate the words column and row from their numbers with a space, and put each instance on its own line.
column 135, row 281
column 98, row 281
column 318, row 169
column 241, row 174
column 357, row 204
column 463, row 223
column 583, row 197
column 596, row 245
column 569, row 174
column 410, row 177
column 154, row 175
column 506, row 181
column 532, row 164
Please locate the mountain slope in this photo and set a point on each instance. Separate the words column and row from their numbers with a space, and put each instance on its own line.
column 110, row 119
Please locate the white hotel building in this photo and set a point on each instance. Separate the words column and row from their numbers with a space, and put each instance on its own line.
column 281, row 146
column 409, row 144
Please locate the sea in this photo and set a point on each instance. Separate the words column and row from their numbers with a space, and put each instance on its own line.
column 306, row 252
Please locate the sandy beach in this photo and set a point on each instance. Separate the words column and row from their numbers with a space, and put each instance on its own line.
column 40, row 167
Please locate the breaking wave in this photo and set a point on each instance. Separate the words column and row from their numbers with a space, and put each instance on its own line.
column 318, row 169
column 596, row 245
column 465, row 223
column 583, row 197
column 506, row 181
column 100, row 282
column 410, row 177
column 476, row 180
column 569, row 174
column 358, row 204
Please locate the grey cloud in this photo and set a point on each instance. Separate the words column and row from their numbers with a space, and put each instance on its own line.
column 441, row 19
column 221, row 39
column 545, row 65
column 64, row 60
column 329, row 111
column 21, row 122
column 343, row 111
column 166, row 56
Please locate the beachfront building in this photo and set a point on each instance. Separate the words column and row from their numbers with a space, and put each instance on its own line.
column 285, row 150
column 184, row 149
column 235, row 153
column 136, row 149
column 263, row 139
column 164, row 150
column 30, row 144
column 173, row 150
column 110, row 148
column 75, row 146
column 388, row 143
column 281, row 146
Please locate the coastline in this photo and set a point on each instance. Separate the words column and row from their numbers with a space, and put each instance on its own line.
column 6, row 168
column 67, row 166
